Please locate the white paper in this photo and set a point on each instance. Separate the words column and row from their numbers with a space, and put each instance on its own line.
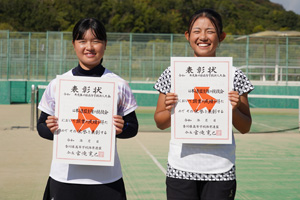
column 85, row 107
column 203, row 113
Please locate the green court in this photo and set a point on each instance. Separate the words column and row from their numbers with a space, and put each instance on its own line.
column 263, row 120
column 268, row 158
column 267, row 166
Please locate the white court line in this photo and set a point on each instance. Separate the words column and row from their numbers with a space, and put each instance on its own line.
column 272, row 127
column 152, row 157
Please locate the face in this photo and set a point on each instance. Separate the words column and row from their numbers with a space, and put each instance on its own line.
column 89, row 50
column 204, row 38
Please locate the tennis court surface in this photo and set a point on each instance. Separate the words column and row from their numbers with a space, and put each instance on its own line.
column 268, row 158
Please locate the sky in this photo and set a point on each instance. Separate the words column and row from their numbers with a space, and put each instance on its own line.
column 293, row 5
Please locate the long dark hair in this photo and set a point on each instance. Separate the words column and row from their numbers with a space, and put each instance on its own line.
column 212, row 15
column 85, row 24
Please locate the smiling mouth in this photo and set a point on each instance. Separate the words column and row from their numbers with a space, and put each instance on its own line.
column 203, row 45
column 90, row 54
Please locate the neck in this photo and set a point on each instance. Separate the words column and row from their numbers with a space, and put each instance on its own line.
column 96, row 71
column 213, row 55
column 88, row 67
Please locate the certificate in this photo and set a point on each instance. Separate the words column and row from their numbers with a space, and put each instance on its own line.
column 203, row 113
column 85, row 107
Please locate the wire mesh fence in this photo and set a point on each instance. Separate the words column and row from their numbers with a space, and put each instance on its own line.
column 142, row 57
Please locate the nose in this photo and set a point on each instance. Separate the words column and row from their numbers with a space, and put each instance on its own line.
column 89, row 46
column 203, row 36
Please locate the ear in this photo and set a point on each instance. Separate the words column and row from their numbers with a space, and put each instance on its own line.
column 222, row 36
column 105, row 45
column 187, row 36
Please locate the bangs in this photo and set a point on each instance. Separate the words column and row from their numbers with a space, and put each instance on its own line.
column 98, row 30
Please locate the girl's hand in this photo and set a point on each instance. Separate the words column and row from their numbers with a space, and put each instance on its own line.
column 51, row 123
column 119, row 123
column 234, row 99
column 162, row 115
column 170, row 100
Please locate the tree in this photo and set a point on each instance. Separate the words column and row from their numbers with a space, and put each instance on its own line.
column 144, row 16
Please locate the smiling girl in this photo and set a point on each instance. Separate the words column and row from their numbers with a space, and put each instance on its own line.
column 203, row 171
column 78, row 182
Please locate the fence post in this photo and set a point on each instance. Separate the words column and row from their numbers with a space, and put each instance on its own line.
column 247, row 55
column 120, row 58
column 36, row 70
column 47, row 51
column 8, row 57
column 1, row 53
column 61, row 52
column 171, row 45
column 23, row 64
column 153, row 60
column 277, row 61
column 32, row 107
column 286, row 59
column 130, row 56
column 37, row 97
column 28, row 56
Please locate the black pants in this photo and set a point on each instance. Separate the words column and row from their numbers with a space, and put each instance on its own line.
column 64, row 191
column 180, row 189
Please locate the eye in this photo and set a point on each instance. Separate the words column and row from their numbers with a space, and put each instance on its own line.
column 211, row 32
column 97, row 41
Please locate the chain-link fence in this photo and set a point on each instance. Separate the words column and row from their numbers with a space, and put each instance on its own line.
column 142, row 57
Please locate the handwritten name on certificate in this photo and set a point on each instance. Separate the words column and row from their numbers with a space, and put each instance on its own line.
column 203, row 113
column 85, row 109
